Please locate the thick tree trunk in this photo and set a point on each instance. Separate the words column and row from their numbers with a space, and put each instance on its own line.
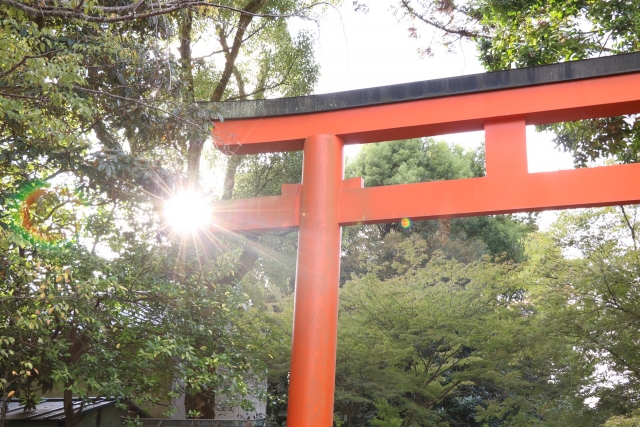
column 249, row 256
column 194, row 154
column 246, row 262
column 233, row 162
column 186, row 28
column 194, row 150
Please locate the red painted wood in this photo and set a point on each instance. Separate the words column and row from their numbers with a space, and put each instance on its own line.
column 577, row 188
column 601, row 97
column 257, row 214
column 505, row 147
column 313, row 356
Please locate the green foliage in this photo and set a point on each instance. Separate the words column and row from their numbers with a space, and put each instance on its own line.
column 592, row 295
column 534, row 33
column 412, row 337
column 421, row 160
column 408, row 161
column 428, row 339
column 263, row 175
column 127, row 327
column 632, row 421
column 387, row 415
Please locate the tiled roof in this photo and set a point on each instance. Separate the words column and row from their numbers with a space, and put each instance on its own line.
column 52, row 409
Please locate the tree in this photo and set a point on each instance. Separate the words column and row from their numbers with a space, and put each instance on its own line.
column 632, row 421
column 586, row 271
column 128, row 327
column 421, row 160
column 439, row 341
column 425, row 339
column 528, row 33
column 66, row 78
column 583, row 297
column 102, row 122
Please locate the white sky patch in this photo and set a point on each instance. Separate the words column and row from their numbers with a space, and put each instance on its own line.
column 542, row 153
column 359, row 50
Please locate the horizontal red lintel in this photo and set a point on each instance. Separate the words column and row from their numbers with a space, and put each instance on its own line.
column 551, row 103
column 576, row 188
column 257, row 214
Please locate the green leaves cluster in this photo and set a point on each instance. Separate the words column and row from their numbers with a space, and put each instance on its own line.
column 128, row 328
column 412, row 338
column 422, row 160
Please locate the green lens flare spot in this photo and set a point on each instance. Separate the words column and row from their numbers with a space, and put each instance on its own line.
column 405, row 223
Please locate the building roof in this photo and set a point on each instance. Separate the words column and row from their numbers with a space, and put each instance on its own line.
column 160, row 422
column 473, row 83
column 52, row 409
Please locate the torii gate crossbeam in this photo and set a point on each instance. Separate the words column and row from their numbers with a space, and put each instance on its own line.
column 501, row 103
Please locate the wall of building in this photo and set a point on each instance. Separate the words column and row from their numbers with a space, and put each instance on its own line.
column 110, row 416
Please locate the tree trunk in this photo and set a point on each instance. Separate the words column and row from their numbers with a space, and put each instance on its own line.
column 249, row 256
column 246, row 262
column 243, row 23
column 230, row 176
column 186, row 27
column 194, row 151
column 69, row 414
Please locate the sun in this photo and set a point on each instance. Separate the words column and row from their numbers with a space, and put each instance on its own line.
column 188, row 212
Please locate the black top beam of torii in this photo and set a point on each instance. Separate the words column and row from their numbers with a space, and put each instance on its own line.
column 473, row 83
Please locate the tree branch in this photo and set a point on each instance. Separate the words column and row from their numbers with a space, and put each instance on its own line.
column 132, row 12
column 462, row 32
column 631, row 228
column 136, row 101
column 251, row 8
column 25, row 59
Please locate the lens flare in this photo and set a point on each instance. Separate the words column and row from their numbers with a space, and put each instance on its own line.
column 28, row 200
column 26, row 218
column 188, row 212
column 405, row 223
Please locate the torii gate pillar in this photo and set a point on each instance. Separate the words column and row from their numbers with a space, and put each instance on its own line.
column 313, row 362
column 500, row 103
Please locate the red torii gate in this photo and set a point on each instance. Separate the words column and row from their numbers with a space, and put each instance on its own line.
column 501, row 103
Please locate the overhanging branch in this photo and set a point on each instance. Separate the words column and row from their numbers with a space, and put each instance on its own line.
column 139, row 10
